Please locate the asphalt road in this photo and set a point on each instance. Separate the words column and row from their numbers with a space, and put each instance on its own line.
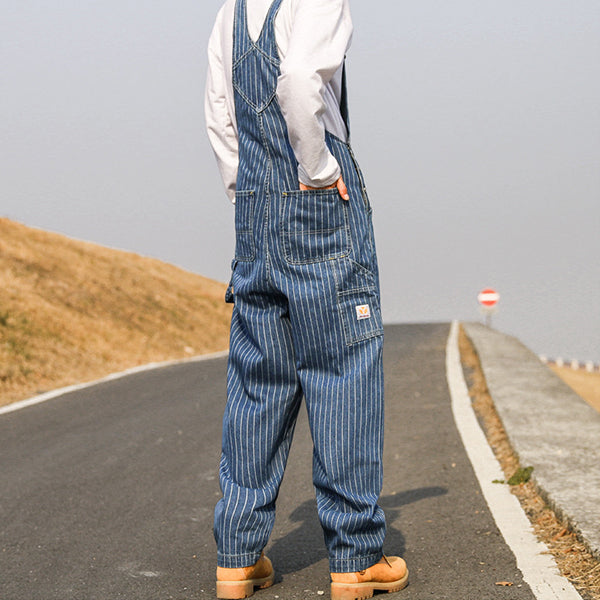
column 107, row 493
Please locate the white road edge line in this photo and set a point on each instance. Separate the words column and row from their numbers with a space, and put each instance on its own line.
column 538, row 567
column 73, row 388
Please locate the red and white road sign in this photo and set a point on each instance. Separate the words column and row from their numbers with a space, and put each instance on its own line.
column 488, row 297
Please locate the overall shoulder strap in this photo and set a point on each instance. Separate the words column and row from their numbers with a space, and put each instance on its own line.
column 344, row 101
column 241, row 37
column 273, row 11
column 267, row 40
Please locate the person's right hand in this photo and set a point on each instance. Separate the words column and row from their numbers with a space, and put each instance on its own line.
column 339, row 184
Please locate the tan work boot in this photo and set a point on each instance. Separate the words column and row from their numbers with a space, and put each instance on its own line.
column 234, row 584
column 389, row 574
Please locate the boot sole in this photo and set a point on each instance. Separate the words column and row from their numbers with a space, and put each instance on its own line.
column 362, row 591
column 236, row 590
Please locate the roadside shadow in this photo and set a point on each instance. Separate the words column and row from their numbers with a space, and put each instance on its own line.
column 395, row 542
column 304, row 546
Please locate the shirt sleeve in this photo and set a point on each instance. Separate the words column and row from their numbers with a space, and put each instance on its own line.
column 320, row 36
column 220, row 124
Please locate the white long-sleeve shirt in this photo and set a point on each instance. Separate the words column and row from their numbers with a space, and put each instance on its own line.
column 312, row 38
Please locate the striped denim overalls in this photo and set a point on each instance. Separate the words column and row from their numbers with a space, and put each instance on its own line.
column 306, row 321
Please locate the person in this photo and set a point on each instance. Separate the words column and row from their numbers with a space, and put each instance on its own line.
column 306, row 318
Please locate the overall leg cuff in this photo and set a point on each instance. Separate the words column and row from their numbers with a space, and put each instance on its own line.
column 351, row 565
column 237, row 561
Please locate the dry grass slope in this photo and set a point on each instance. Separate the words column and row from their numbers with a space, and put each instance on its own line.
column 73, row 311
column 587, row 385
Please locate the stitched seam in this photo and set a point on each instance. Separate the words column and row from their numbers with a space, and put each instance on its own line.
column 245, row 236
column 253, row 105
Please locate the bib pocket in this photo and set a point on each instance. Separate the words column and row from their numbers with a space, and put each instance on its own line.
column 244, row 225
column 314, row 226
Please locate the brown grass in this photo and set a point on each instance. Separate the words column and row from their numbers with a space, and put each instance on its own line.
column 587, row 385
column 572, row 557
column 73, row 311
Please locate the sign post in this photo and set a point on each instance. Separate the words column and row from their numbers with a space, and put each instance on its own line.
column 488, row 298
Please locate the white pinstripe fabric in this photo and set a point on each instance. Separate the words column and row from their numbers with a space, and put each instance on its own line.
column 304, row 262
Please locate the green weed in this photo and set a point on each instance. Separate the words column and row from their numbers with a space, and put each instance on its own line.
column 519, row 477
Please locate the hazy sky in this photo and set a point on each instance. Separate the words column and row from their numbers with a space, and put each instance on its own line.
column 477, row 124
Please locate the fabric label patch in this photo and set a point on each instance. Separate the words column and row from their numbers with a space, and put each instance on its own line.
column 363, row 312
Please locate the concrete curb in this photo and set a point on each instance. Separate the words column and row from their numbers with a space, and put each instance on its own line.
column 549, row 426
column 574, row 364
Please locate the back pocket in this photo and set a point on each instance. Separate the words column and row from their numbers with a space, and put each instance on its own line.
column 314, row 226
column 244, row 221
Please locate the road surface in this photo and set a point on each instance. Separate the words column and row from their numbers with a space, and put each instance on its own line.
column 107, row 493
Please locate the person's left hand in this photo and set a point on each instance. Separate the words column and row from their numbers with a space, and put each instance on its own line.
column 339, row 184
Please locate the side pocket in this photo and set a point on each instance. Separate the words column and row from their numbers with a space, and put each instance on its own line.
column 361, row 178
column 244, row 221
column 361, row 314
column 229, row 299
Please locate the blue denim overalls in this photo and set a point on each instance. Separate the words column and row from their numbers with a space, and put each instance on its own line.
column 306, row 321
